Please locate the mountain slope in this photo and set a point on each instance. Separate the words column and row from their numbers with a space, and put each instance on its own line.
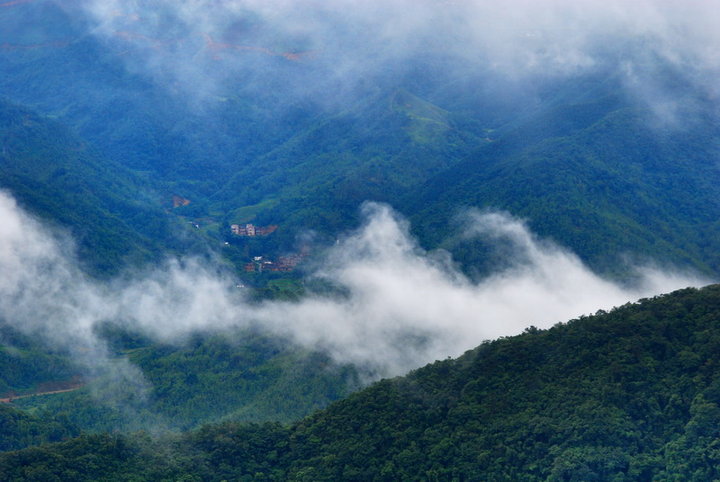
column 626, row 395
column 379, row 149
column 603, row 177
column 110, row 211
column 19, row 429
column 55, row 62
column 603, row 171
column 244, row 376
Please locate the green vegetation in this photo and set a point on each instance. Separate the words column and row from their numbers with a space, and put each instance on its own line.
column 25, row 364
column 582, row 163
column 632, row 394
column 110, row 211
column 19, row 429
column 594, row 177
column 247, row 214
column 378, row 149
column 243, row 376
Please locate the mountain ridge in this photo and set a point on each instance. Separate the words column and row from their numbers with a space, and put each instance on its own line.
column 629, row 394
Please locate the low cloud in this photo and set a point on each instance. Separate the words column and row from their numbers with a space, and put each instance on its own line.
column 44, row 293
column 406, row 306
column 398, row 306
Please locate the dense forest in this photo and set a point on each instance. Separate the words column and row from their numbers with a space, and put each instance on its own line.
column 631, row 394
column 231, row 376
column 111, row 212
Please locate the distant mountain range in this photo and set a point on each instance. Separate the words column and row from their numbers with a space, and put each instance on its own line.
column 583, row 161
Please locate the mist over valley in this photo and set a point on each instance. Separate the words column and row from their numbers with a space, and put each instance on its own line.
column 235, row 212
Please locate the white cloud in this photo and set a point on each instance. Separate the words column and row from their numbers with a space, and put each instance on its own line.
column 400, row 306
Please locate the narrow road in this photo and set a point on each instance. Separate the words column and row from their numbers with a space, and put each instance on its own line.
column 37, row 394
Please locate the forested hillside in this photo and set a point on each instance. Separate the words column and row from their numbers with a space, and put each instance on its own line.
column 584, row 160
column 627, row 395
column 616, row 182
column 242, row 376
column 112, row 213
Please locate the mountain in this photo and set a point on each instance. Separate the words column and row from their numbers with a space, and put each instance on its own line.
column 585, row 161
column 25, row 363
column 19, row 429
column 598, row 173
column 379, row 149
column 627, row 395
column 60, row 68
column 610, row 174
column 111, row 212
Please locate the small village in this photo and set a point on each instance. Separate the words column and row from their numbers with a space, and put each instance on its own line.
column 263, row 264
column 283, row 264
column 250, row 230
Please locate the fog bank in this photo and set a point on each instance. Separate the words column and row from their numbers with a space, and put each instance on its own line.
column 398, row 306
column 344, row 44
